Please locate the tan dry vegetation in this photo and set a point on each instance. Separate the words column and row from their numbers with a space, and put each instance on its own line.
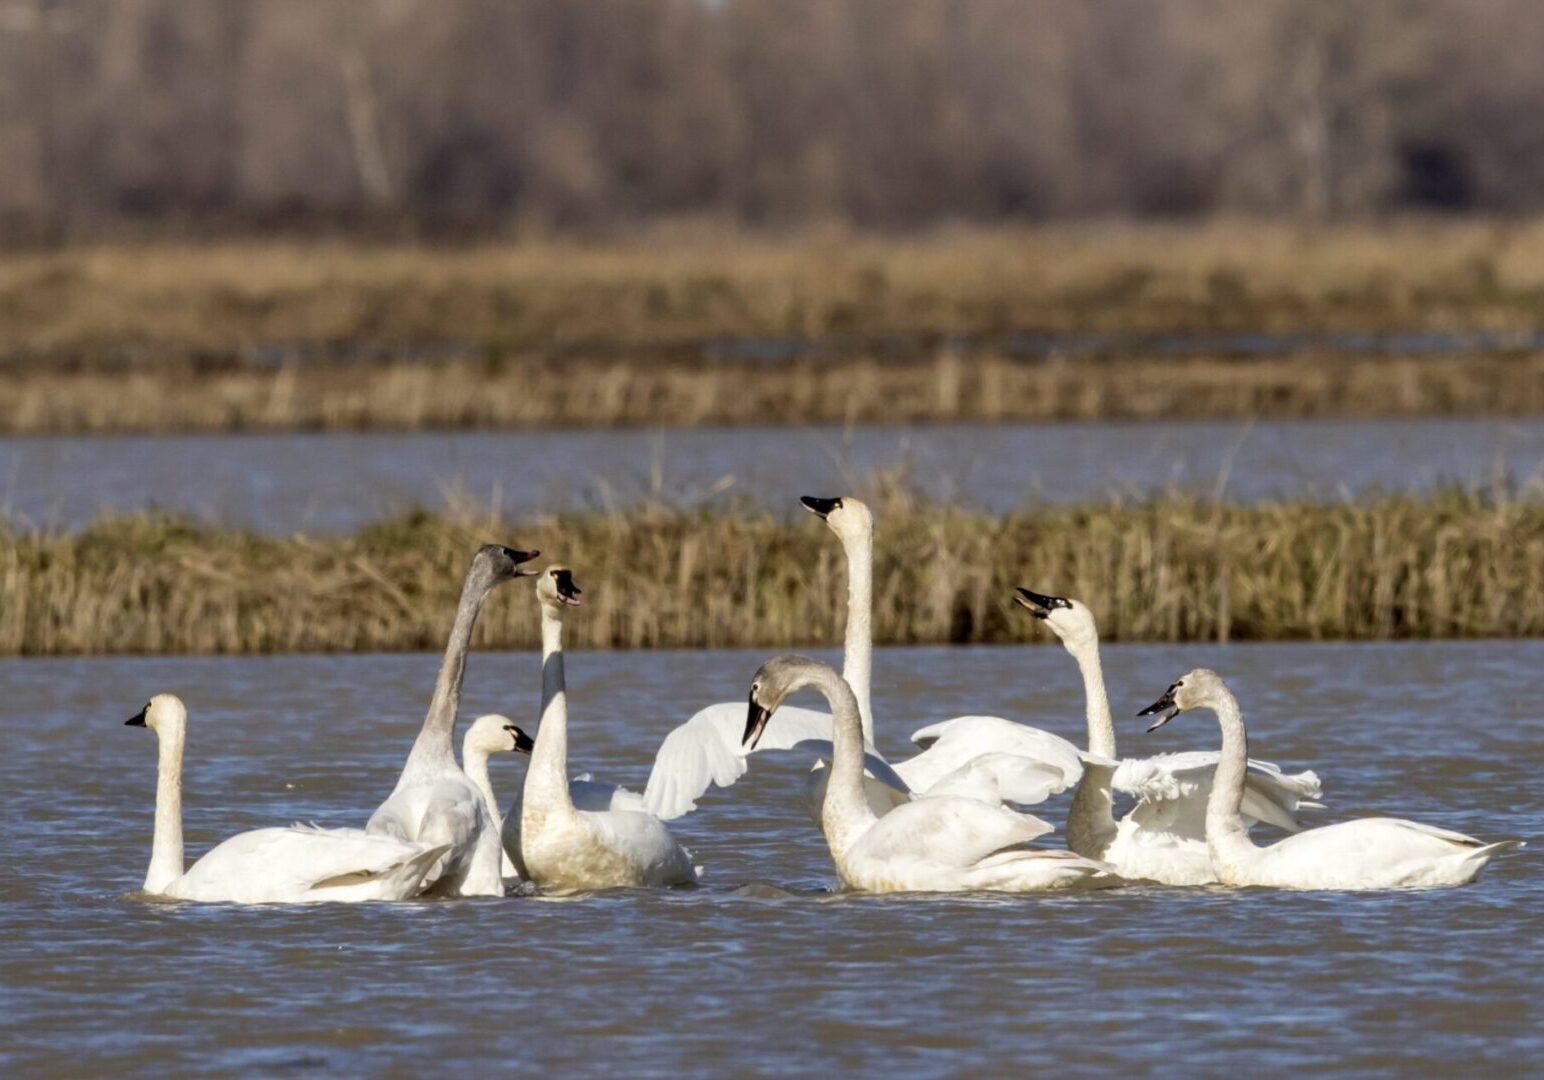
column 615, row 392
column 664, row 285
column 1172, row 569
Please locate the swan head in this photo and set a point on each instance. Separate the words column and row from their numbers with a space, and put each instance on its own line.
column 495, row 734
column 555, row 588
column 849, row 518
column 1071, row 620
column 162, row 713
column 1195, row 690
column 773, row 682
column 495, row 563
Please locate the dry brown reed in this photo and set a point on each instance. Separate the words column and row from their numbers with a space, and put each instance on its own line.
column 1453, row 564
column 948, row 387
column 668, row 285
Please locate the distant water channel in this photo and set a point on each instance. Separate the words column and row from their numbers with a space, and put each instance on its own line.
column 284, row 482
column 763, row 970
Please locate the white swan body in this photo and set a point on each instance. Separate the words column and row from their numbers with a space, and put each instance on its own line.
column 1163, row 838
column 435, row 802
column 1371, row 853
column 707, row 749
column 561, row 846
column 300, row 864
column 936, row 844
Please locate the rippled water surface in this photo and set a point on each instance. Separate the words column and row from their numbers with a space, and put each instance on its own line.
column 762, row 969
column 287, row 482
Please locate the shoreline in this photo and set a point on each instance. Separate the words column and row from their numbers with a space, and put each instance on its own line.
column 1175, row 568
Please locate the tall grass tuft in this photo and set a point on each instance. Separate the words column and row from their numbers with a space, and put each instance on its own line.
column 1175, row 568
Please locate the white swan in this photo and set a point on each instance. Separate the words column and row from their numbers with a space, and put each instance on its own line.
column 434, row 802
column 492, row 734
column 706, row 750
column 300, row 864
column 1163, row 838
column 941, row 843
column 560, row 845
column 1370, row 853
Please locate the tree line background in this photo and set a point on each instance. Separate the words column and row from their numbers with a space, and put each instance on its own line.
column 433, row 116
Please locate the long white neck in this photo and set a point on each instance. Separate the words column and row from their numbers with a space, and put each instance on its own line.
column 433, row 751
column 474, row 762
column 1091, row 818
column 845, row 815
column 166, row 849
column 858, row 644
column 546, row 780
column 1226, row 837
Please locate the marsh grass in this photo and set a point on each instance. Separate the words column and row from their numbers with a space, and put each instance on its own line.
column 1175, row 568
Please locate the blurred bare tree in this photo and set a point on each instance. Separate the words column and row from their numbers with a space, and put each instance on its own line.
column 430, row 114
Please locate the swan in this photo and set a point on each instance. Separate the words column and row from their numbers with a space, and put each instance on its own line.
column 943, row 843
column 301, row 864
column 434, row 801
column 560, row 845
column 1163, row 838
column 492, row 734
column 1369, row 853
column 707, row 750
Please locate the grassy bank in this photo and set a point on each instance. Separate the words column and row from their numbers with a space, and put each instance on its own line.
column 276, row 336
column 1173, row 569
column 630, row 392
column 664, row 286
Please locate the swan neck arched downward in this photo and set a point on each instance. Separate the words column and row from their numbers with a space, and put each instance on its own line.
column 1226, row 837
column 166, row 852
column 858, row 643
column 846, row 814
column 433, row 751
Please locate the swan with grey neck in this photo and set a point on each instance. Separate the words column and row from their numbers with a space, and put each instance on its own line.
column 561, row 846
column 299, row 864
column 945, row 843
column 434, row 801
column 1163, row 838
column 1369, row 853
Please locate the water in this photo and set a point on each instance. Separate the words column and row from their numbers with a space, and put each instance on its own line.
column 281, row 483
column 762, row 969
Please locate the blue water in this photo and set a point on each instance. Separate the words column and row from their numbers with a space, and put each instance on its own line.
column 280, row 483
column 763, row 969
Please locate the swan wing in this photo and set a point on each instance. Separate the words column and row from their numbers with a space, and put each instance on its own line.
column 1172, row 789
column 707, row 750
column 996, row 777
column 646, row 842
column 953, row 743
column 948, row 831
column 304, row 863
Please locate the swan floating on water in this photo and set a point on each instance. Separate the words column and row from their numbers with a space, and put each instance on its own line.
column 1369, row 853
column 707, row 750
column 434, row 801
column 1163, row 838
column 299, row 864
column 488, row 735
column 560, row 845
column 944, row 843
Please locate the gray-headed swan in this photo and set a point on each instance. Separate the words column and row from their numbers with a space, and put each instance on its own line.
column 434, row 801
column 943, row 843
column 560, row 845
column 1370, row 853
column 299, row 864
column 1162, row 838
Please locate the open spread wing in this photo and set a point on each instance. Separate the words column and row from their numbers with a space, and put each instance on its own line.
column 1172, row 789
column 707, row 751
